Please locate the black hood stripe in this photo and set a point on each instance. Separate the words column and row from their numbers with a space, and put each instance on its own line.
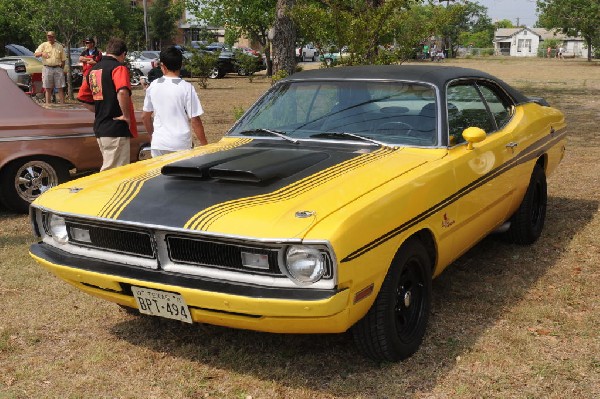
column 130, row 188
column 125, row 193
column 532, row 152
column 203, row 219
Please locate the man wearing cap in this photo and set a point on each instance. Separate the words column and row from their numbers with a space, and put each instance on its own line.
column 90, row 56
column 53, row 60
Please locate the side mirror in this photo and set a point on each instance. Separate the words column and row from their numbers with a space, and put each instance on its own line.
column 473, row 135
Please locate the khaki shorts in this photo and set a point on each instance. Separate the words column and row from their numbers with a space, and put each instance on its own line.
column 115, row 151
column 53, row 77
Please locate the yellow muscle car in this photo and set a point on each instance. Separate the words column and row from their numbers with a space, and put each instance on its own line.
column 330, row 205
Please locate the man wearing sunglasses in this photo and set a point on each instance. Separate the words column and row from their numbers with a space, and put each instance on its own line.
column 90, row 55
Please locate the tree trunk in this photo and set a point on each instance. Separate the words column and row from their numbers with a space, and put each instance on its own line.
column 284, row 39
column 588, row 41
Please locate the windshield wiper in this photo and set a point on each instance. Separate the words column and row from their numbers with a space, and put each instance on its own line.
column 352, row 135
column 277, row 133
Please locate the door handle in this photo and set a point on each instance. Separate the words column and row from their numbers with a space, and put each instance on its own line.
column 512, row 145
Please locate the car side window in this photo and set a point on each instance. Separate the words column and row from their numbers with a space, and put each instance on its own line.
column 498, row 105
column 466, row 108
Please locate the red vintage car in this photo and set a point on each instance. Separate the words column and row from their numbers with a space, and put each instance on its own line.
column 42, row 147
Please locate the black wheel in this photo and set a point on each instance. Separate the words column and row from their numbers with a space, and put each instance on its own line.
column 527, row 223
column 328, row 62
column 394, row 327
column 25, row 180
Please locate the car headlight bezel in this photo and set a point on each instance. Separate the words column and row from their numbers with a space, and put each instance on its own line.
column 56, row 227
column 305, row 264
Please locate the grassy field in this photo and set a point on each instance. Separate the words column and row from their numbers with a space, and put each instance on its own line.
column 507, row 322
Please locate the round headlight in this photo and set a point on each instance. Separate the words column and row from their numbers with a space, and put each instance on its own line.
column 305, row 264
column 58, row 229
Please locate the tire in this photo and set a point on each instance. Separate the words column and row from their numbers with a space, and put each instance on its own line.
column 134, row 78
column 394, row 327
column 144, row 152
column 328, row 62
column 527, row 223
column 215, row 73
column 26, row 179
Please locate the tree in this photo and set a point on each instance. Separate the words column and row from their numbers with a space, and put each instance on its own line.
column 284, row 38
column 504, row 23
column 450, row 21
column 250, row 18
column 163, row 17
column 573, row 18
column 70, row 19
column 364, row 26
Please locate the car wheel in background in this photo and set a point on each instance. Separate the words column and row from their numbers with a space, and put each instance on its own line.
column 26, row 179
column 527, row 223
column 215, row 73
column 144, row 152
column 134, row 77
column 394, row 327
column 328, row 62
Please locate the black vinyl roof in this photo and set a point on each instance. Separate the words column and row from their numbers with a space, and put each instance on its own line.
column 433, row 74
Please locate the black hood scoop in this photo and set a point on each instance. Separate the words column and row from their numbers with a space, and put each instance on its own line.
column 246, row 165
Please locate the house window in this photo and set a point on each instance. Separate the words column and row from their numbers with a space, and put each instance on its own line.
column 524, row 45
column 133, row 4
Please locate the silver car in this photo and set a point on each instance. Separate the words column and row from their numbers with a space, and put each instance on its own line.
column 17, row 72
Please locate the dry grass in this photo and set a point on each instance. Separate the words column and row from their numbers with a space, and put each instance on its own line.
column 508, row 321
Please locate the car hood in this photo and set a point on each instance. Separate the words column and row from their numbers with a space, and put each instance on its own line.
column 237, row 187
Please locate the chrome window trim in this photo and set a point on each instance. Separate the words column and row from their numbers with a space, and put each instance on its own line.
column 438, row 99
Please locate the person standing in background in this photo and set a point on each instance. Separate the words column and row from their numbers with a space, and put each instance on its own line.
column 173, row 103
column 90, row 56
column 106, row 91
column 53, row 60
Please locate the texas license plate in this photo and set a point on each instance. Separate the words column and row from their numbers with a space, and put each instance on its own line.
column 161, row 303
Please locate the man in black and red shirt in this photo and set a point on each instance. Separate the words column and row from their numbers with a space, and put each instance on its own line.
column 90, row 56
column 106, row 91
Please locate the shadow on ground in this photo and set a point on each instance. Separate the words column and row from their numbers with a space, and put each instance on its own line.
column 469, row 297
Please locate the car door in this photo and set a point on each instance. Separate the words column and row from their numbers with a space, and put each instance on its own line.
column 485, row 185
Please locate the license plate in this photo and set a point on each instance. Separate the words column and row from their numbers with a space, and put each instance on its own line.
column 161, row 303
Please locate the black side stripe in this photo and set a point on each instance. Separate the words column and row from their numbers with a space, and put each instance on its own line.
column 532, row 152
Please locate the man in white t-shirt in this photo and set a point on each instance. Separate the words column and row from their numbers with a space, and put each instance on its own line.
column 170, row 104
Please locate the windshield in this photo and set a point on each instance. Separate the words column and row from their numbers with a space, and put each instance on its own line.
column 394, row 113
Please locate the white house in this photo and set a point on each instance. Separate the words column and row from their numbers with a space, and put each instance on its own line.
column 525, row 42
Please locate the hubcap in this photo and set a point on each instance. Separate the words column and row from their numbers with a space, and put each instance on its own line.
column 33, row 179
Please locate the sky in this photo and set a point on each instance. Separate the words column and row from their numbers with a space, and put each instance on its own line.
column 523, row 10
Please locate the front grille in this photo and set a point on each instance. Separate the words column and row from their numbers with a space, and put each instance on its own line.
column 123, row 241
column 208, row 253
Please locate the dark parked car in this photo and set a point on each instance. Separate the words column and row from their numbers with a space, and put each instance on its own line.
column 228, row 63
